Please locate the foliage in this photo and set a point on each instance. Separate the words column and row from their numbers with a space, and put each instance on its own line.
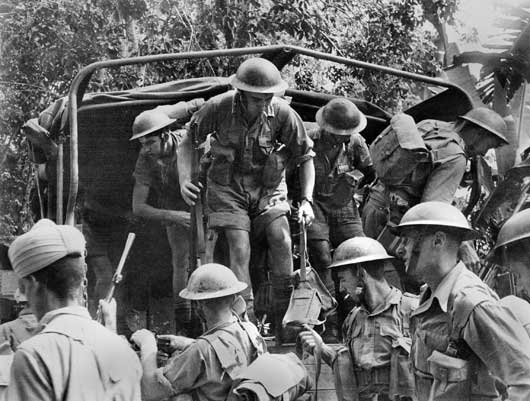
column 44, row 43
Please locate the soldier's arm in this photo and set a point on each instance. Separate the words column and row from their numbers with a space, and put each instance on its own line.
column 204, row 123
column 308, row 341
column 181, row 111
column 307, row 178
column 141, row 208
column 501, row 342
column 444, row 180
column 295, row 137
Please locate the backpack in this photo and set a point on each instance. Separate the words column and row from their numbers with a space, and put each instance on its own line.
column 399, row 150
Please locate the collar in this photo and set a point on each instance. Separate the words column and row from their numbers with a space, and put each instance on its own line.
column 393, row 298
column 441, row 293
column 233, row 319
column 80, row 311
column 237, row 106
column 25, row 311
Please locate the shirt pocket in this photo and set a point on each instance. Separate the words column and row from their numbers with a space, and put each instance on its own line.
column 221, row 169
column 274, row 168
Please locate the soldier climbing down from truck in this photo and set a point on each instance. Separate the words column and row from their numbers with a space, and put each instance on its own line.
column 254, row 135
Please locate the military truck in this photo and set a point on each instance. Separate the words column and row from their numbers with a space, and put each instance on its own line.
column 86, row 161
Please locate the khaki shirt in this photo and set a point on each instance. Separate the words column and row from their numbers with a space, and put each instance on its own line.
column 495, row 338
column 449, row 165
column 370, row 336
column 241, row 148
column 73, row 358
column 161, row 175
column 19, row 330
column 335, row 166
column 199, row 371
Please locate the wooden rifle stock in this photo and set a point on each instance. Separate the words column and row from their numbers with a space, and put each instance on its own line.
column 197, row 236
column 117, row 277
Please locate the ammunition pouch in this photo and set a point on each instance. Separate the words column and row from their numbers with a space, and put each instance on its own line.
column 373, row 376
column 451, row 377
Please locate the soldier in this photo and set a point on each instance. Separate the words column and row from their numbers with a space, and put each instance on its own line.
column 71, row 357
column 254, row 135
column 340, row 150
column 462, row 337
column 376, row 332
column 207, row 366
column 449, row 144
column 512, row 249
column 23, row 327
column 156, row 173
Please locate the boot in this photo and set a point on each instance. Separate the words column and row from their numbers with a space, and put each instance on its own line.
column 281, row 291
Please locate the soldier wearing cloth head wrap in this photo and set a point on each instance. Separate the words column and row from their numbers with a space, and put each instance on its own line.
column 71, row 357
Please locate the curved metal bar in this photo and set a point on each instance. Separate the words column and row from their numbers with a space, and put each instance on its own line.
column 80, row 83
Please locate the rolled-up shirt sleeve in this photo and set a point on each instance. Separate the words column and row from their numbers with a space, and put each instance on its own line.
column 502, row 343
column 205, row 120
column 183, row 372
column 294, row 135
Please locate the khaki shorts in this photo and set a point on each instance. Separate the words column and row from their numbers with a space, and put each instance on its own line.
column 245, row 207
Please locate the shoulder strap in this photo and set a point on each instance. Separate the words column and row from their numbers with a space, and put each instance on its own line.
column 348, row 322
column 254, row 336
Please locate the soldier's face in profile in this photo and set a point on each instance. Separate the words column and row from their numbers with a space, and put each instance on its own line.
column 151, row 145
column 479, row 141
column 348, row 280
column 414, row 251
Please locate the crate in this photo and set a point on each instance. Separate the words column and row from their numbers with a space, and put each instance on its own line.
column 8, row 284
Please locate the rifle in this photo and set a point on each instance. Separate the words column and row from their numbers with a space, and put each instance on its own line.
column 197, row 237
column 117, row 277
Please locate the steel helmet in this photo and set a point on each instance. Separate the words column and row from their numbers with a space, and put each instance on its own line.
column 358, row 250
column 489, row 120
column 258, row 75
column 149, row 121
column 516, row 228
column 436, row 214
column 341, row 117
column 212, row 280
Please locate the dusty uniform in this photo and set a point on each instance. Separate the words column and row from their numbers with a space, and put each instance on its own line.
column 336, row 214
column 18, row 330
column 379, row 345
column 458, row 332
column 207, row 368
column 74, row 358
column 161, row 176
column 439, row 183
column 248, row 166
